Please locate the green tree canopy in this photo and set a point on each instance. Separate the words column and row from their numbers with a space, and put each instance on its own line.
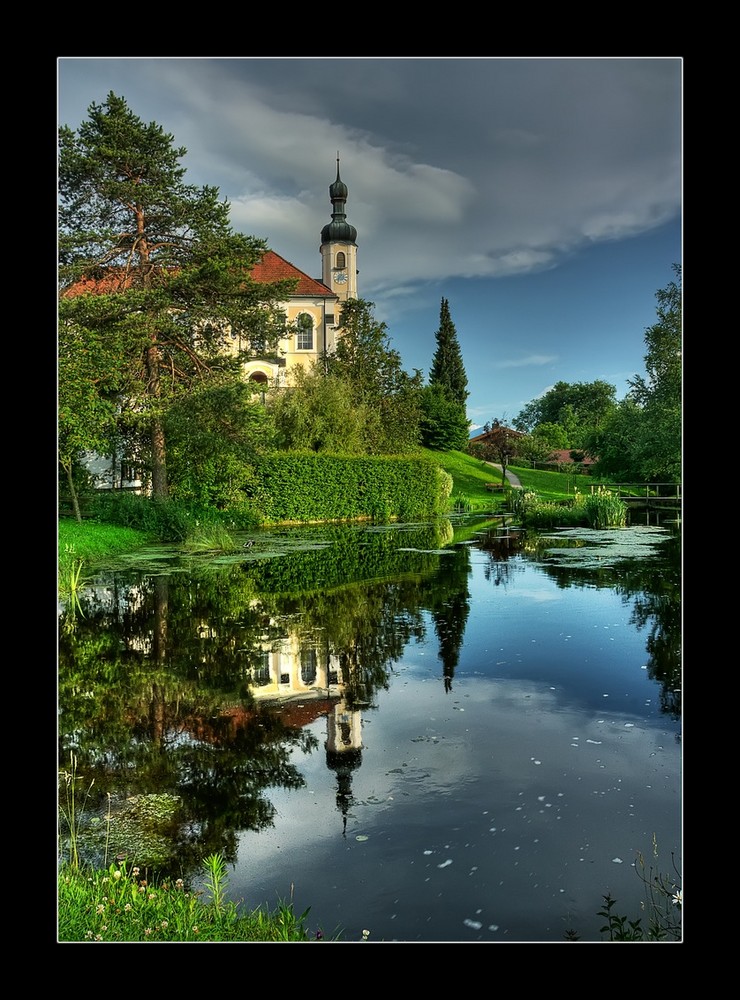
column 641, row 439
column 379, row 386
column 444, row 425
column 150, row 264
column 580, row 408
column 659, row 392
column 319, row 413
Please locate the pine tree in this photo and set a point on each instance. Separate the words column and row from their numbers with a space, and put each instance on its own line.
column 151, row 266
column 448, row 370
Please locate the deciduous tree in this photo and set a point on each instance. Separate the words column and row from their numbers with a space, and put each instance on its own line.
column 659, row 392
column 579, row 408
column 641, row 439
column 498, row 447
column 319, row 413
column 391, row 398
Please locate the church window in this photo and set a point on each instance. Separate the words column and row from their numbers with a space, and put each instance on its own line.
column 262, row 670
column 308, row 666
column 304, row 337
column 341, row 259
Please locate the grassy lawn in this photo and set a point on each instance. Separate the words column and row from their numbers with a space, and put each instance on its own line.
column 470, row 476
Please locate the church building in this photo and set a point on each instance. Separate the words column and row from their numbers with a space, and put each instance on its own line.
column 312, row 315
column 312, row 312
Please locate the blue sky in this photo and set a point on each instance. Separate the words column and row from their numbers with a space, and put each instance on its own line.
column 541, row 196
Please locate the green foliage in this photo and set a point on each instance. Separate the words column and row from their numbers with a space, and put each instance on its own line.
column 213, row 434
column 72, row 809
column 216, row 880
column 640, row 441
column 462, row 504
column 166, row 280
column 210, row 537
column 533, row 448
column 603, row 509
column 161, row 519
column 596, row 510
column 661, row 908
column 444, row 424
column 549, row 485
column 387, row 395
column 551, row 435
column 303, row 487
column 659, row 394
column 617, row 927
column 447, row 371
column 122, row 904
column 579, row 409
column 88, row 379
column 320, row 413
column 534, row 512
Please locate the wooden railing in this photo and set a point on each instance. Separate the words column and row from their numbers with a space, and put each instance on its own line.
column 647, row 494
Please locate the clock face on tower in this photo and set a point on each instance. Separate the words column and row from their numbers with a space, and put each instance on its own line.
column 340, row 277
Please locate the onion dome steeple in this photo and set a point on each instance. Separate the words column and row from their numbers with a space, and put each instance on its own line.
column 338, row 228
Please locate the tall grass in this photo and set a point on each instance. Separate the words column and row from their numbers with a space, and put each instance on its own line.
column 593, row 510
column 71, row 810
column 603, row 509
column 121, row 904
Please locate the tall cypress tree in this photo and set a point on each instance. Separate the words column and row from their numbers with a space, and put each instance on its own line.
column 448, row 370
column 445, row 424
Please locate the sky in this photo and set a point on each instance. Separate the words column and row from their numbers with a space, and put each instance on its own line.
column 542, row 197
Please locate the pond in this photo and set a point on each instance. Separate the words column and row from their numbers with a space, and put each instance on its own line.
column 445, row 732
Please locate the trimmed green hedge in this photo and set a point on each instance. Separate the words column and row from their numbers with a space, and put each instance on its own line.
column 309, row 487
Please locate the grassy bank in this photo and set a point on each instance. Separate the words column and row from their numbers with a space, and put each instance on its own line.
column 91, row 541
column 80, row 545
column 120, row 904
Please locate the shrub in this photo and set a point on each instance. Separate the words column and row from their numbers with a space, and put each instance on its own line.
column 595, row 510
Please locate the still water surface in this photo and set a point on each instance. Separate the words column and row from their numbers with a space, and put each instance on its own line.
column 447, row 732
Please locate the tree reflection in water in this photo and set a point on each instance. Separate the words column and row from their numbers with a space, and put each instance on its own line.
column 201, row 681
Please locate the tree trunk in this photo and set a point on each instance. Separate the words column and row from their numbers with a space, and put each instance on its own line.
column 159, row 458
column 73, row 492
column 159, row 461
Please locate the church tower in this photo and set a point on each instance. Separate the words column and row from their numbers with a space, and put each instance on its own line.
column 338, row 246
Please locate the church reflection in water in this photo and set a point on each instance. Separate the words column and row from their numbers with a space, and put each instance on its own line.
column 306, row 683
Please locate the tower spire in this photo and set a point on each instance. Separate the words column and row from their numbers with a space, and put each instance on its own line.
column 339, row 245
column 338, row 228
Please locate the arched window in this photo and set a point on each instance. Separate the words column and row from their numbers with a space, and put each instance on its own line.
column 341, row 259
column 258, row 377
column 304, row 336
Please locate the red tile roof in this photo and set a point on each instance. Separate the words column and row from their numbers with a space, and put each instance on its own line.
column 272, row 267
column 492, row 434
column 562, row 457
